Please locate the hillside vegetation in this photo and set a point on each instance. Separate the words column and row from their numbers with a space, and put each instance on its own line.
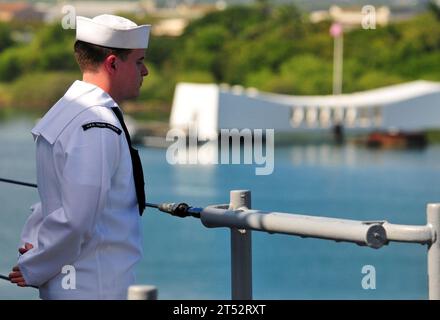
column 273, row 49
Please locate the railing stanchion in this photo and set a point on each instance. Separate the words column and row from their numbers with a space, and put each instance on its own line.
column 142, row 292
column 241, row 250
column 434, row 252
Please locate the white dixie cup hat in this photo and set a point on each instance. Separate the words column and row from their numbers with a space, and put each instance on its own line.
column 112, row 31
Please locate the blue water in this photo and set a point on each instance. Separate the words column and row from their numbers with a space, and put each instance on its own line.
column 185, row 260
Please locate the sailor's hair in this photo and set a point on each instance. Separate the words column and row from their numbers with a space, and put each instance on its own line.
column 90, row 56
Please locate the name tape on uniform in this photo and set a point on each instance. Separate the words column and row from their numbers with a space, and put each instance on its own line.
column 101, row 125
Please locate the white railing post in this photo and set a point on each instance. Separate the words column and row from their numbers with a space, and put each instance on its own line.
column 433, row 213
column 142, row 292
column 241, row 250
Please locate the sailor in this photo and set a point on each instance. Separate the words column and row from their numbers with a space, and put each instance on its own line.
column 83, row 239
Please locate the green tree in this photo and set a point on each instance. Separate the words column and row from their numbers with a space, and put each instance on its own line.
column 52, row 34
column 5, row 37
column 235, row 19
column 40, row 90
column 15, row 61
column 204, row 50
column 303, row 74
column 434, row 6
column 57, row 57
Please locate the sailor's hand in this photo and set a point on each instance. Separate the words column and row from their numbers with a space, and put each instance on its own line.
column 16, row 277
column 26, row 248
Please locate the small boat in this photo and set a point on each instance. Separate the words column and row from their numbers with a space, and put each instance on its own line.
column 396, row 139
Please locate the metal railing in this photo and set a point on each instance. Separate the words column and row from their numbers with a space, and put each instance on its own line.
column 239, row 217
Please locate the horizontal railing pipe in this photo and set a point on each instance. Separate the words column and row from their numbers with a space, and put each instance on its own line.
column 408, row 233
column 371, row 234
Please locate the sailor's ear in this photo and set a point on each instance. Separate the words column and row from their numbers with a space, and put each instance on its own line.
column 110, row 63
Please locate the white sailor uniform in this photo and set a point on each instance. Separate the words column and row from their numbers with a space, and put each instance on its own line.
column 88, row 217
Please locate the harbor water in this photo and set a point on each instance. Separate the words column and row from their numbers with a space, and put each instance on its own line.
column 185, row 260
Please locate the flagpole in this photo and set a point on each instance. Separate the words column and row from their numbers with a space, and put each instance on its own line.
column 337, row 32
column 338, row 64
column 338, row 50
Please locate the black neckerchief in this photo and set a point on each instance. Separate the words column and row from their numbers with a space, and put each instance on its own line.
column 138, row 173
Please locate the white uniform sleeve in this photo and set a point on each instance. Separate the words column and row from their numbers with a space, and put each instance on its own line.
column 90, row 159
column 32, row 225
